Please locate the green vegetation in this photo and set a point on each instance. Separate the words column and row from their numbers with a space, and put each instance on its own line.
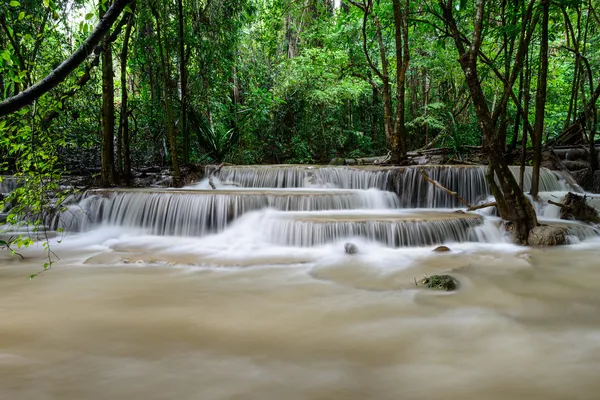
column 174, row 82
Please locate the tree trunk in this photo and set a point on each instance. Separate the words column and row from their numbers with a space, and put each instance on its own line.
column 512, row 204
column 388, row 123
column 164, row 57
column 183, row 81
column 108, row 114
column 124, row 152
column 540, row 102
column 374, row 119
column 398, row 143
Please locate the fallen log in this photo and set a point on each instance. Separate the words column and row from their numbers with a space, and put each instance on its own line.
column 575, row 207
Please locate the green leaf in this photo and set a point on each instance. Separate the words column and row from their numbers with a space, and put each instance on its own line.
column 89, row 16
column 21, row 15
column 46, row 3
column 15, row 3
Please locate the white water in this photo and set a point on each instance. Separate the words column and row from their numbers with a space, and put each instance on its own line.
column 171, row 295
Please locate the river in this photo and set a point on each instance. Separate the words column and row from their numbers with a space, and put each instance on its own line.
column 131, row 313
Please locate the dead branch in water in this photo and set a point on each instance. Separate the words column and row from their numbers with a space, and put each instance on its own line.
column 445, row 189
column 456, row 195
column 480, row 206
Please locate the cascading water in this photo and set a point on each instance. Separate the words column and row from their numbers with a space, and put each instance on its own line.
column 199, row 212
column 414, row 191
column 311, row 206
column 403, row 229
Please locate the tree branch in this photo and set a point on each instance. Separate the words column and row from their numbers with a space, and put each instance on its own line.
column 58, row 75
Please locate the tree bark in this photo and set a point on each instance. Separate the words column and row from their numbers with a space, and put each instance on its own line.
column 59, row 74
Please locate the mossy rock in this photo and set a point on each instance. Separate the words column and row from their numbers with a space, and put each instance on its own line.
column 444, row 283
column 441, row 249
column 350, row 248
column 337, row 161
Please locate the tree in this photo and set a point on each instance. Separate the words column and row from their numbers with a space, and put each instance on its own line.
column 59, row 74
column 512, row 204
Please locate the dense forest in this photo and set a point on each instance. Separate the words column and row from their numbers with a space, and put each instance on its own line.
column 110, row 86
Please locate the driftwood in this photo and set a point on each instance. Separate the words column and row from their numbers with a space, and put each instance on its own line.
column 457, row 196
column 575, row 207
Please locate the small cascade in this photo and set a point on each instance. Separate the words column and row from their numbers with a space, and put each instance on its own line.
column 8, row 183
column 296, row 176
column 392, row 229
column 414, row 191
column 198, row 212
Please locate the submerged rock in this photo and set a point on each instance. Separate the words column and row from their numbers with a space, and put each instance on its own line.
column 440, row 282
column 350, row 248
column 441, row 249
column 547, row 235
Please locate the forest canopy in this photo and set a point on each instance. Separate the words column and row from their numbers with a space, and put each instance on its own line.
column 279, row 81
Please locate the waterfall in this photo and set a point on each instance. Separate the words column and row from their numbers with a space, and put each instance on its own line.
column 468, row 181
column 8, row 183
column 312, row 205
column 394, row 230
column 198, row 212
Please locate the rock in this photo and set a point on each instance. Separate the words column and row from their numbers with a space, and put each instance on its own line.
column 337, row 161
column 581, row 176
column 547, row 235
column 350, row 248
column 440, row 282
column 576, row 165
column 596, row 182
column 441, row 249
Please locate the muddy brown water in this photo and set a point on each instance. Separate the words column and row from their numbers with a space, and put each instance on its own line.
column 145, row 317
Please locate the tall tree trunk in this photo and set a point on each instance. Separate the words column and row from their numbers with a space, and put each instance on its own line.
column 527, row 100
column 398, row 141
column 540, row 102
column 124, row 151
column 108, row 113
column 386, row 94
column 374, row 119
column 183, row 123
column 164, row 57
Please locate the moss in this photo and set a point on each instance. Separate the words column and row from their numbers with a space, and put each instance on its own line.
column 440, row 282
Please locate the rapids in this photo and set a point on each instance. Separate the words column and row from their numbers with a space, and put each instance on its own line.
column 245, row 292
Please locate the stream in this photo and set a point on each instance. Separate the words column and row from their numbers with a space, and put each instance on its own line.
column 246, row 292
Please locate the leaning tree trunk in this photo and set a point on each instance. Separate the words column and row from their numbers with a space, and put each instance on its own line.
column 513, row 206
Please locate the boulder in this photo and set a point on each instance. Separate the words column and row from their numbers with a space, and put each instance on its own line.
column 350, row 248
column 444, row 283
column 441, row 249
column 547, row 235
